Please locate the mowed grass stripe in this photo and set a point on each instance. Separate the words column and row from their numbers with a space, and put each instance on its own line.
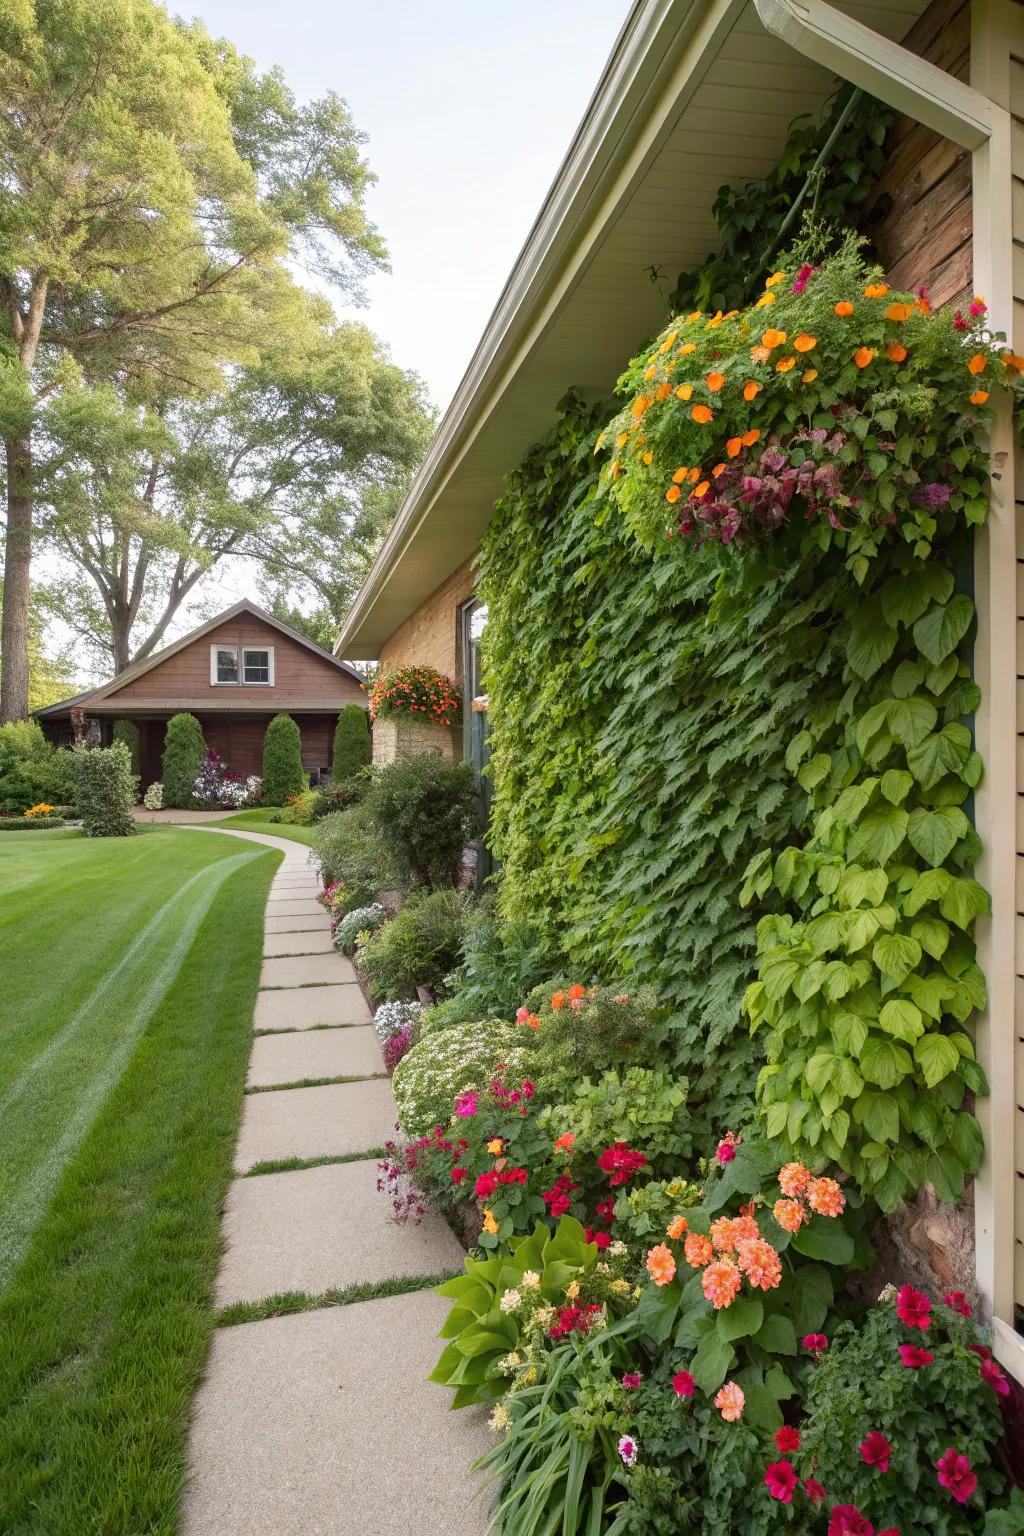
column 105, row 1325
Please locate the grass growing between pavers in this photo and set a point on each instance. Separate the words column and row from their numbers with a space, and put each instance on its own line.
column 299, row 1164
column 317, row 1082
column 309, row 1029
column 303, row 1301
column 259, row 821
column 130, row 976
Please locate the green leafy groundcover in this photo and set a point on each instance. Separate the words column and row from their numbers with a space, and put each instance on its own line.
column 729, row 674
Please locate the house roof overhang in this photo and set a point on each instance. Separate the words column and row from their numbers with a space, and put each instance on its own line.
column 696, row 93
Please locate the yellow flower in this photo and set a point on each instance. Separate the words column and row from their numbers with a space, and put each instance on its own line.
column 490, row 1225
column 622, row 440
column 495, row 1147
column 648, row 457
column 684, row 392
column 620, row 1287
column 764, row 301
column 697, row 313
column 687, row 348
column 669, row 341
column 651, row 371
column 809, row 377
column 776, row 277
column 572, row 1290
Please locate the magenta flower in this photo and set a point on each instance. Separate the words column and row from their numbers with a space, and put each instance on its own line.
column 957, row 1302
column 780, row 1479
column 955, row 1475
column 628, row 1450
column 913, row 1308
column 683, row 1384
column 914, row 1357
column 875, row 1450
column 847, row 1520
column 631, row 1380
column 814, row 1343
column 993, row 1377
column 465, row 1105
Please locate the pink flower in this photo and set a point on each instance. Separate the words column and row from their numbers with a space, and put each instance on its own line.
column 793, row 1180
column 814, row 1343
column 957, row 1302
column 993, row 1377
column 875, row 1450
column 683, row 1384
column 522, row 1014
column 631, row 1380
column 814, row 1490
column 729, row 1401
column 977, row 307
column 847, row 1520
column 980, row 1351
column 726, row 1149
column 601, row 1240
column 628, row 1450
column 780, row 1479
column 465, row 1105
column 959, row 323
column 913, row 1308
column 955, row 1475
column 787, row 1440
column 914, row 1357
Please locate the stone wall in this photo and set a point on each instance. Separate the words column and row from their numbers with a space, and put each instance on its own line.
column 400, row 737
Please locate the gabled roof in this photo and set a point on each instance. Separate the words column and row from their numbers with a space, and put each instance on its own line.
column 696, row 93
column 140, row 668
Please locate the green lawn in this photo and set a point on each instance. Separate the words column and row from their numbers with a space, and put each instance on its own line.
column 258, row 821
column 130, row 971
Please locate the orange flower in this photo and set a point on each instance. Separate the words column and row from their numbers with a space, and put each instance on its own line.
column 702, row 414
column 694, row 475
column 784, row 364
column 727, row 1232
column 1012, row 362
column 639, row 405
column 793, row 1179
column 694, row 316
column 978, row 363
column 733, row 446
column 719, row 469
column 532, row 1020
column 648, row 457
column 844, row 308
column 760, row 354
column 663, row 391
column 923, row 306
column 651, row 371
column 805, row 343
column 772, row 338
column 720, row 1282
column 687, row 347
column 978, row 397
column 776, row 277
column 876, row 290
column 676, row 1228
column 701, row 489
column 685, row 391
column 751, row 437
column 576, row 992
column 761, row 1264
column 680, row 475
column 661, row 1264
column 496, row 1147
column 672, row 494
column 750, row 389
column 670, row 341
column 809, row 377
column 622, row 440
column 565, row 1142
column 863, row 356
column 489, row 1223
column 764, row 301
column 825, row 1197
column 896, row 352
column 899, row 311
column 729, row 1401
column 698, row 1250
column 714, row 382
column 558, row 1000
column 789, row 1214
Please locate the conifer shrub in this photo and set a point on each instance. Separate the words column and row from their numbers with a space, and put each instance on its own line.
column 184, row 754
column 351, row 743
column 128, row 732
column 106, row 790
column 282, row 761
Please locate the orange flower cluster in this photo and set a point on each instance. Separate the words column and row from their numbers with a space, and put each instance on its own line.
column 824, row 1197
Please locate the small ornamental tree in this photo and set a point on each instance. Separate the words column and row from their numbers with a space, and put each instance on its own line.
column 184, row 753
column 351, row 743
column 128, row 732
column 417, row 693
column 282, row 761
column 426, row 808
column 106, row 790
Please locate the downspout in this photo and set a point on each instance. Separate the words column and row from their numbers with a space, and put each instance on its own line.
column 970, row 118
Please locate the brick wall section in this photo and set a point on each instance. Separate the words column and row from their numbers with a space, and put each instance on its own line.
column 428, row 636
column 925, row 237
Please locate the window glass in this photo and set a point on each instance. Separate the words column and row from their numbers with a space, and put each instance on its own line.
column 227, row 666
column 256, row 666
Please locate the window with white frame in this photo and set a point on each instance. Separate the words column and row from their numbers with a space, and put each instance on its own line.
column 233, row 664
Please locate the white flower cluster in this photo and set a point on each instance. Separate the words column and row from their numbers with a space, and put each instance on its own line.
column 391, row 1017
column 448, row 1063
column 510, row 1301
column 153, row 799
column 360, row 920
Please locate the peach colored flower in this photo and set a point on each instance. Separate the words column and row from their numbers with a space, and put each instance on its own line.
column 676, row 1228
column 760, row 354
column 661, row 1264
column 714, row 382
column 720, row 1282
column 702, row 414
column 794, row 1179
column 761, row 1264
column 729, row 1231
column 789, row 1214
column 698, row 1250
column 825, row 1197
column 978, row 396
column 729, row 1402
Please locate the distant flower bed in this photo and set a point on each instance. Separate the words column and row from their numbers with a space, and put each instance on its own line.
column 421, row 693
column 216, row 787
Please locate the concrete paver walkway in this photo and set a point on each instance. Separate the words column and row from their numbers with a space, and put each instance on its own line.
column 295, row 1410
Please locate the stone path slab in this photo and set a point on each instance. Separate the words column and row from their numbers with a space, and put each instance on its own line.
column 305, row 1007
column 307, row 971
column 322, row 1424
column 322, row 1228
column 292, row 906
column 298, row 924
column 315, row 941
column 315, row 1122
column 314, row 1053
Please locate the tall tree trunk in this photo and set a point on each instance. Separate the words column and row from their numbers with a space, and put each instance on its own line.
column 17, row 561
column 120, row 641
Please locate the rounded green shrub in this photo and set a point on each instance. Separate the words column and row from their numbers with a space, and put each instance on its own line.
column 418, row 948
column 430, row 1077
column 128, row 732
column 426, row 807
column 282, row 761
column 351, row 743
column 106, row 790
column 352, row 853
column 184, row 752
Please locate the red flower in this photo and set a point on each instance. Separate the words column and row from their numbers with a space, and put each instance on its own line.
column 890, row 1530
column 631, row 1380
column 913, row 1308
column 601, row 1239
column 606, row 1209
column 955, row 1475
column 726, row 1149
column 513, row 1176
column 787, row 1440
column 557, row 1198
column 573, row 1320
column 814, row 1490
column 957, row 1301
column 458, row 1174
column 913, row 1356
column 814, row 1343
column 993, row 1377
column 485, row 1185
column 847, row 1520
column 780, row 1479
column 683, row 1384
column 979, row 1349
column 875, row 1450
column 620, row 1162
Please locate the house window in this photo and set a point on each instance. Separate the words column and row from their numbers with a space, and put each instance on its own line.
column 232, row 664
column 258, row 666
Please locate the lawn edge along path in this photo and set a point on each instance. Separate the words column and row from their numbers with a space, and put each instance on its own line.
column 326, row 1315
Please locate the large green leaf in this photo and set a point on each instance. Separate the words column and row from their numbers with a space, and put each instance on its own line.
column 934, row 834
column 942, row 752
column 896, row 955
column 942, row 628
column 884, row 1063
column 777, row 1335
column 742, row 1318
column 712, row 1362
column 901, row 1019
column 825, row 1239
column 937, row 1057
column 878, row 834
column 911, row 719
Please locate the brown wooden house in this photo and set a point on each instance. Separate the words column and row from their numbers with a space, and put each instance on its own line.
column 234, row 674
